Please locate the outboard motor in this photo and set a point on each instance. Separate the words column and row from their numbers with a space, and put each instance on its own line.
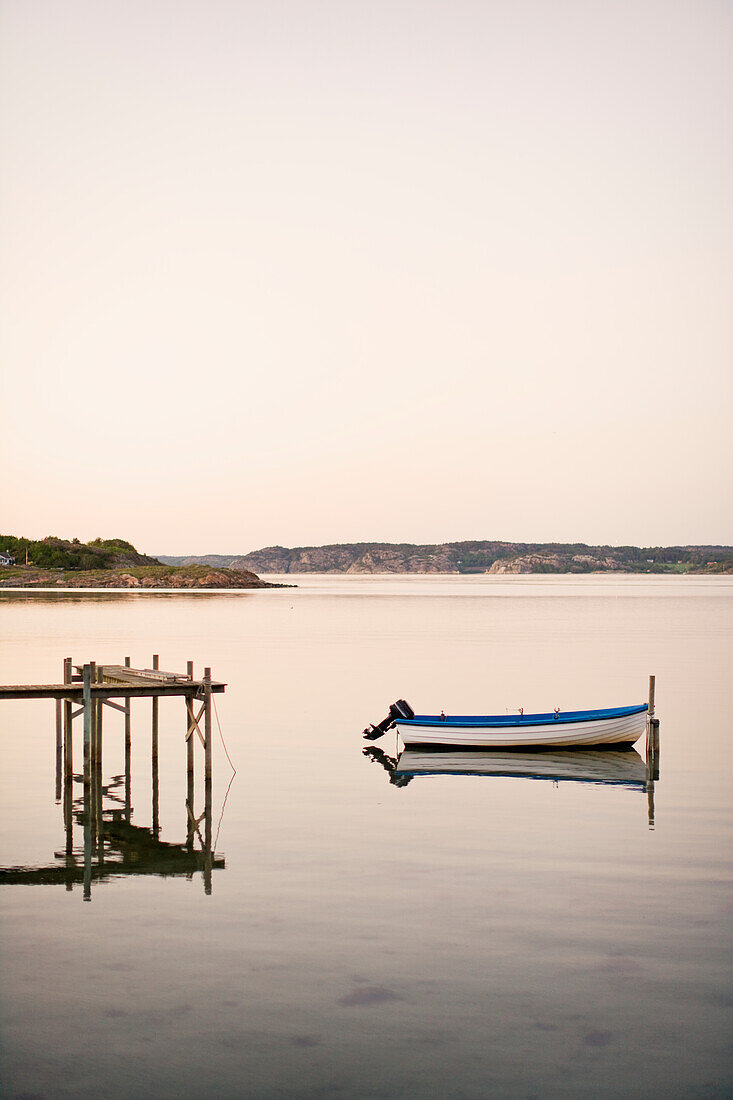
column 400, row 709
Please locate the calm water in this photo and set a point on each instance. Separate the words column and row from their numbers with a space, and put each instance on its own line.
column 461, row 935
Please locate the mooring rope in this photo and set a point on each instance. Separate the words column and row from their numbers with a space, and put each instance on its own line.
column 223, row 807
column 234, row 772
column 216, row 712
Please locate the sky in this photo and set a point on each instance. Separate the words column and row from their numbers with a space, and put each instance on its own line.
column 309, row 271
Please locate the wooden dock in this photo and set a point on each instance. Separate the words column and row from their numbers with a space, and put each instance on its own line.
column 84, row 692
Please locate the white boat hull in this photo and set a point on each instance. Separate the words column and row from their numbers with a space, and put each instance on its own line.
column 624, row 730
column 623, row 767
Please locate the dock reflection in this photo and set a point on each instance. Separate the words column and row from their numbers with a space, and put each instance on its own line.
column 103, row 843
column 602, row 767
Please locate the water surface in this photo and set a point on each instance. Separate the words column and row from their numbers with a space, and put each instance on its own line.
column 458, row 934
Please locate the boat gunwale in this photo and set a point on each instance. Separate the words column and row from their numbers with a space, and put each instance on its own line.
column 512, row 721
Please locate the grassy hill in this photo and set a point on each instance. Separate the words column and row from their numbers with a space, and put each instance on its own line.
column 106, row 563
column 55, row 553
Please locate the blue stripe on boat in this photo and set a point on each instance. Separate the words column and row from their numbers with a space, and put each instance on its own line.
column 503, row 720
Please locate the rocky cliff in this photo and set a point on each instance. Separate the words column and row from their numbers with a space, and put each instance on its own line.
column 474, row 557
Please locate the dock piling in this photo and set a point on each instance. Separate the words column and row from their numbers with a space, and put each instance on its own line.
column 207, row 723
column 207, row 782
column 68, row 726
column 189, row 753
column 128, row 753
column 59, row 748
column 154, row 750
column 87, row 678
column 87, row 838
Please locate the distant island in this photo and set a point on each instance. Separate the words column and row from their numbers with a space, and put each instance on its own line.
column 471, row 557
column 106, row 563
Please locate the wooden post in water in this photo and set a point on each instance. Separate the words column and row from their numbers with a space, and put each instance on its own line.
column 207, row 782
column 68, row 727
column 68, row 768
column 652, row 733
column 90, row 768
column 69, row 818
column 59, row 749
column 189, row 756
column 93, row 710
column 208, row 855
column 128, row 754
column 87, row 825
column 207, row 723
column 100, row 708
column 94, row 703
column 99, row 792
column 649, row 795
column 87, row 697
column 154, row 747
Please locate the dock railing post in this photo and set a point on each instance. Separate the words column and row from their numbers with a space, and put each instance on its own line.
column 154, row 750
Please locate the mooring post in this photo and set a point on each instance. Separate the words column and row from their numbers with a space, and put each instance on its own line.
column 154, row 749
column 87, row 697
column 59, row 750
column 650, row 793
column 68, row 726
column 655, row 744
column 652, row 732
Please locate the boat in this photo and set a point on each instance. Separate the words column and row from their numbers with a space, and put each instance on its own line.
column 613, row 726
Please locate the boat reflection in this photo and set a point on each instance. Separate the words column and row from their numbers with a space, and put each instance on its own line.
column 602, row 767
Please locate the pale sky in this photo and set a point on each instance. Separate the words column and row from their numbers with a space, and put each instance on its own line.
column 311, row 271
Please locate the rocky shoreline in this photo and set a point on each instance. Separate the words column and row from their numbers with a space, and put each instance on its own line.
column 144, row 578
